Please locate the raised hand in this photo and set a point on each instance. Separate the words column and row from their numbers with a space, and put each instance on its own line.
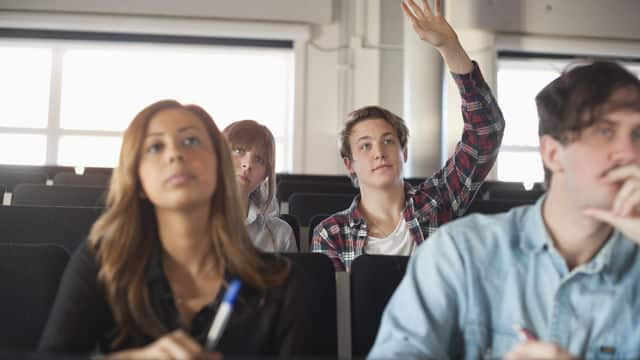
column 430, row 25
column 432, row 28
column 625, row 214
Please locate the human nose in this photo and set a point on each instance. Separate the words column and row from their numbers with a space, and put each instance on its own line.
column 174, row 152
column 245, row 162
column 378, row 151
column 625, row 152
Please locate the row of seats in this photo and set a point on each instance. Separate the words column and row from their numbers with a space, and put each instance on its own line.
column 305, row 210
column 11, row 175
column 36, row 243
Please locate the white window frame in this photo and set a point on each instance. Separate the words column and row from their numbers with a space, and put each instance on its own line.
column 123, row 24
column 550, row 45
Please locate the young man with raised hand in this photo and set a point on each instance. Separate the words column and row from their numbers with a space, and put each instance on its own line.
column 554, row 280
column 390, row 216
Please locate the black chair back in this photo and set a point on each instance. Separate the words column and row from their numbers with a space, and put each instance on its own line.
column 1, row 193
column 304, row 206
column 62, row 226
column 10, row 177
column 29, row 278
column 342, row 179
column 286, row 188
column 98, row 170
column 99, row 180
column 496, row 206
column 58, row 195
column 293, row 222
column 321, row 319
column 374, row 278
column 508, row 190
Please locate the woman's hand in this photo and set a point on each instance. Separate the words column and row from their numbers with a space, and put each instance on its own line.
column 175, row 345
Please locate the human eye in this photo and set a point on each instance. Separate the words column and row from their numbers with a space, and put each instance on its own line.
column 238, row 150
column 365, row 146
column 154, row 147
column 191, row 141
column 389, row 140
column 635, row 134
column 604, row 130
column 260, row 160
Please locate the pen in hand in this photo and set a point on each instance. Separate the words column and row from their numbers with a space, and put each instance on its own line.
column 223, row 314
column 524, row 334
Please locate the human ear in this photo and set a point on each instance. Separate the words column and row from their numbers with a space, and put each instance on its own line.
column 348, row 164
column 551, row 151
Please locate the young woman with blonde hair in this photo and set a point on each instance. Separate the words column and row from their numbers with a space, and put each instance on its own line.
column 254, row 154
column 150, row 278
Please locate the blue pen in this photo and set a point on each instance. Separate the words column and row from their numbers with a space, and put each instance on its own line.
column 223, row 314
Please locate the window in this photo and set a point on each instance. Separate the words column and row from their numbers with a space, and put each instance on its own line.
column 67, row 102
column 519, row 81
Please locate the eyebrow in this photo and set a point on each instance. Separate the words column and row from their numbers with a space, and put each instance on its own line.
column 368, row 137
column 181, row 130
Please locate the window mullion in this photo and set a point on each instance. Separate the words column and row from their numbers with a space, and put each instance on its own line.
column 55, row 96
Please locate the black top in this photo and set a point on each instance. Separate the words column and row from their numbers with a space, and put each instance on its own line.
column 261, row 323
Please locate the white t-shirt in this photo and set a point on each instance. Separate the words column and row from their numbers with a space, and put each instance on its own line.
column 269, row 233
column 399, row 242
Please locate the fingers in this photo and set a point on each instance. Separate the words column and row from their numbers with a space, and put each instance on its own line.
column 602, row 215
column 427, row 8
column 623, row 173
column 177, row 345
column 438, row 8
column 629, row 206
column 409, row 13
column 627, row 198
column 537, row 350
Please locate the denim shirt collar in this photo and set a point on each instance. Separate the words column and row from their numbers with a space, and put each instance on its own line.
column 356, row 218
column 537, row 238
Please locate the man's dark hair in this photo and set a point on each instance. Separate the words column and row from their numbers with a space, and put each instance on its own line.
column 575, row 100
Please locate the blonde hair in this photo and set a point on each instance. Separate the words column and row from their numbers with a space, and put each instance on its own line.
column 249, row 134
column 125, row 236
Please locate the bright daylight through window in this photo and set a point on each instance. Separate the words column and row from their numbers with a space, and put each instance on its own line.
column 68, row 102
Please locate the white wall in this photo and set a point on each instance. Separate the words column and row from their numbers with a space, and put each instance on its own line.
column 305, row 11
column 353, row 53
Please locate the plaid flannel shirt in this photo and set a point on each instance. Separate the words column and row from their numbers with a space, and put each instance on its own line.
column 440, row 198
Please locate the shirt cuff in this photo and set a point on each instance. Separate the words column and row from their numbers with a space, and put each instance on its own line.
column 471, row 81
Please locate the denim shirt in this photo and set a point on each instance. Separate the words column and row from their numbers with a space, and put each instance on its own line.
column 477, row 276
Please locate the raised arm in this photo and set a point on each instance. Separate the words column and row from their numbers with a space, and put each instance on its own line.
column 456, row 183
column 432, row 28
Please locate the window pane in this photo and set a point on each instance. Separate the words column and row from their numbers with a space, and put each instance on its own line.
column 517, row 89
column 104, row 89
column 25, row 75
column 89, row 151
column 22, row 149
column 520, row 166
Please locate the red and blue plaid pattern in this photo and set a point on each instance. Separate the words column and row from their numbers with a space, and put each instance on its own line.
column 442, row 197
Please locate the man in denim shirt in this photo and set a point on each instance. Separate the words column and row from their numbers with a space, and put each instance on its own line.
column 558, row 279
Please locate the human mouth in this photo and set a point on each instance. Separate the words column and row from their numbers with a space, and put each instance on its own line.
column 178, row 178
column 243, row 178
column 380, row 167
